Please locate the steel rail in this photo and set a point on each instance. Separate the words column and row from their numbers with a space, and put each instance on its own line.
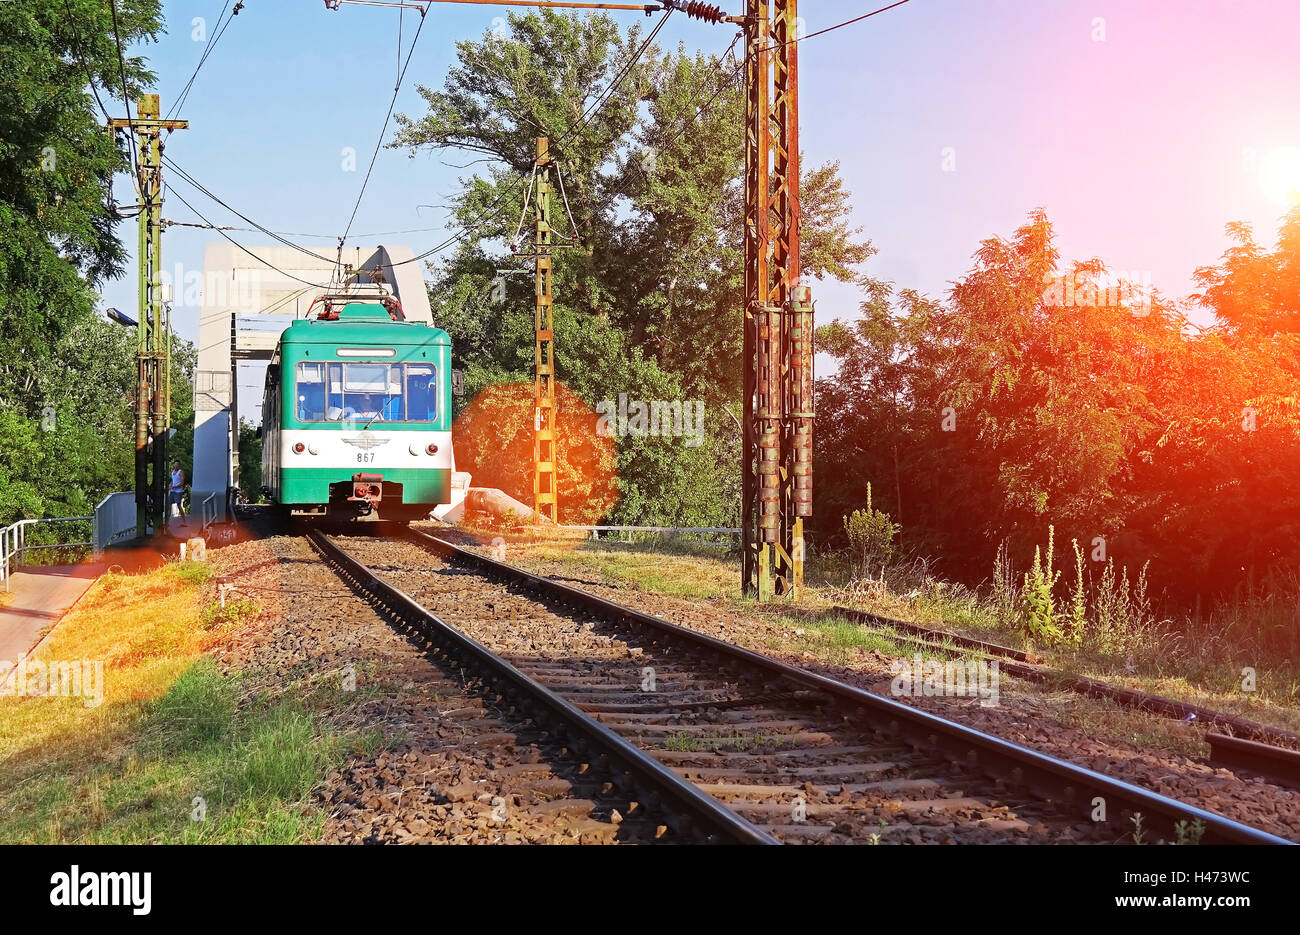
column 1276, row 764
column 633, row 770
column 1067, row 786
column 1019, row 664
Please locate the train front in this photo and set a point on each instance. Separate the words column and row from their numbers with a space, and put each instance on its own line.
column 364, row 417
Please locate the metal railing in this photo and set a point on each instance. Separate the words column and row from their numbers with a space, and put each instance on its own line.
column 14, row 545
column 114, row 520
column 210, row 509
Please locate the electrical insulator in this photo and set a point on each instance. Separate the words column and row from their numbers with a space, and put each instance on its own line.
column 705, row 11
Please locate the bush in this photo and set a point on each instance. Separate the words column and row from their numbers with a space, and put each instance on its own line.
column 1038, row 606
column 871, row 537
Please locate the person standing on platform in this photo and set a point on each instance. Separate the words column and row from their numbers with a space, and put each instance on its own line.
column 176, row 491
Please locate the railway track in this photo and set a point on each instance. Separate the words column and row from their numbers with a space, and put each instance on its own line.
column 612, row 783
column 1275, row 764
column 734, row 746
column 1021, row 664
column 459, row 766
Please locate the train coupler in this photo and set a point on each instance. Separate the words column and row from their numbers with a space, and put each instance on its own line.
column 367, row 487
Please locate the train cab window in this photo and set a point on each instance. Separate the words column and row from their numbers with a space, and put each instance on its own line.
column 421, row 393
column 368, row 391
column 309, row 405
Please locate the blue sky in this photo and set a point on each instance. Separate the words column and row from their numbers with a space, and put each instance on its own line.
column 1138, row 125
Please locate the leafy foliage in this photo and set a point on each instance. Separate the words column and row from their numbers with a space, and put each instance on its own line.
column 66, row 377
column 1001, row 411
column 250, row 462
column 650, row 303
column 56, row 163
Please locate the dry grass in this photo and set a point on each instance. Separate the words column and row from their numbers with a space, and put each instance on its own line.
column 677, row 574
column 144, row 630
column 170, row 727
column 1101, row 717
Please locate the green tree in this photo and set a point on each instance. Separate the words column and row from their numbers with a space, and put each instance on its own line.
column 57, row 231
column 81, row 446
column 1013, row 405
column 250, row 462
column 65, row 380
column 652, row 306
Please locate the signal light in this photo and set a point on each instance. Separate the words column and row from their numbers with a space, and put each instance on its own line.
column 299, row 448
column 432, row 449
column 361, row 490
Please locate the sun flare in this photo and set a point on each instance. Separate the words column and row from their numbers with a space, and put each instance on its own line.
column 1279, row 175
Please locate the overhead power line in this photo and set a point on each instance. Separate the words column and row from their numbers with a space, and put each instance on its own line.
column 822, row 32
column 280, row 236
column 384, row 129
column 267, row 263
column 126, row 95
column 617, row 80
column 219, row 30
column 189, row 179
column 722, row 86
column 589, row 112
column 847, row 22
column 600, row 100
column 368, row 234
column 468, row 228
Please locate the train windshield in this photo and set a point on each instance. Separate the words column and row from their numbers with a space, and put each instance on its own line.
column 366, row 391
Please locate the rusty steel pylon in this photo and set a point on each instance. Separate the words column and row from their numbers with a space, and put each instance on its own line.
column 778, row 313
column 545, row 477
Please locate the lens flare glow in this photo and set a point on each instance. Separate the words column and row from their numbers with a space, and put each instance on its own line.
column 494, row 443
column 1279, row 175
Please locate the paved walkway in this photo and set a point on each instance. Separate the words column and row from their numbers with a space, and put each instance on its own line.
column 183, row 527
column 40, row 596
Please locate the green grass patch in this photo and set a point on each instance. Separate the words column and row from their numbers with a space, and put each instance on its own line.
column 174, row 751
column 194, row 768
column 191, row 572
column 682, row 574
column 235, row 611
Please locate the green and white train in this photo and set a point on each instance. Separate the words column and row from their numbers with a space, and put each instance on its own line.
column 356, row 419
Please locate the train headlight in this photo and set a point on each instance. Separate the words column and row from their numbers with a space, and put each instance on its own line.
column 431, row 448
column 299, row 448
column 313, row 449
column 413, row 449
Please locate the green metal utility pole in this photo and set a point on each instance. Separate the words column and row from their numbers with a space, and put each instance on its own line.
column 153, row 352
